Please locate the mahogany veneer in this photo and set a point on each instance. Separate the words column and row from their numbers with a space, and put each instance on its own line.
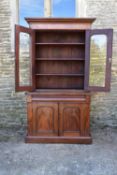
column 58, row 117
column 58, row 99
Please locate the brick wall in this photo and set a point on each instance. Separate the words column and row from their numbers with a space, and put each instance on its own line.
column 13, row 105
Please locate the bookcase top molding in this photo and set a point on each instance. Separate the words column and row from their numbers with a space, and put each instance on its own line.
column 60, row 23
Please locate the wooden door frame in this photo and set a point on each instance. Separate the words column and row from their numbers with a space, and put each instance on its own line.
column 109, row 34
column 22, row 29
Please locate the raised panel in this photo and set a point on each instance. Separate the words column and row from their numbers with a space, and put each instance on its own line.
column 45, row 118
column 70, row 116
column 71, row 119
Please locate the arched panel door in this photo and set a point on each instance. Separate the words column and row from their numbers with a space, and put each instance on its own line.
column 69, row 119
column 45, row 119
column 98, row 58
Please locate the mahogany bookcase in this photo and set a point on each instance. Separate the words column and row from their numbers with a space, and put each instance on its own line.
column 68, row 61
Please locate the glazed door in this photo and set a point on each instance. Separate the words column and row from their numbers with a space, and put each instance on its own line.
column 45, row 119
column 98, row 59
column 24, row 61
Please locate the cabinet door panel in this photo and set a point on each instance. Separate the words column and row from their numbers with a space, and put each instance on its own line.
column 98, row 59
column 74, row 119
column 69, row 122
column 24, row 62
column 45, row 118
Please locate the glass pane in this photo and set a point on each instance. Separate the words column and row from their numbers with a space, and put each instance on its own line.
column 98, row 54
column 63, row 8
column 30, row 8
column 24, row 60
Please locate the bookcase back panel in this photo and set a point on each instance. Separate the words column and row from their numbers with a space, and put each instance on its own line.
column 61, row 51
column 59, row 82
column 60, row 59
column 60, row 67
column 60, row 36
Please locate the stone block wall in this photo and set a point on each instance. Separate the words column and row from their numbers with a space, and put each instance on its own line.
column 104, row 105
column 13, row 105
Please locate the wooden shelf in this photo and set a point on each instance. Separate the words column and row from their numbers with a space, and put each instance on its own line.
column 60, row 59
column 69, row 75
column 54, row 44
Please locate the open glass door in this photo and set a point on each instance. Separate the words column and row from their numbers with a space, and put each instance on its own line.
column 24, row 38
column 98, row 59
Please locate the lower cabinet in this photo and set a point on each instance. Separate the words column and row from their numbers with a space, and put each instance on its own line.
column 58, row 122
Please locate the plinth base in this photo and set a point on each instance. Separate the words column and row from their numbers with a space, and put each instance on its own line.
column 59, row 139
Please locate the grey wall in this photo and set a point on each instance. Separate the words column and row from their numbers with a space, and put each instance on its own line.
column 104, row 105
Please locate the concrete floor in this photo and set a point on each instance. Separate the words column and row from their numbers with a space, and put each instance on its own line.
column 100, row 158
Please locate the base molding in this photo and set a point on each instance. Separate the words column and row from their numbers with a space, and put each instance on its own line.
column 59, row 139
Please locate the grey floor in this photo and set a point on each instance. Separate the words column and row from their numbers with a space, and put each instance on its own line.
column 100, row 158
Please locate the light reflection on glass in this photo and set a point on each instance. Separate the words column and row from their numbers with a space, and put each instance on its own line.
column 24, row 60
column 98, row 54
